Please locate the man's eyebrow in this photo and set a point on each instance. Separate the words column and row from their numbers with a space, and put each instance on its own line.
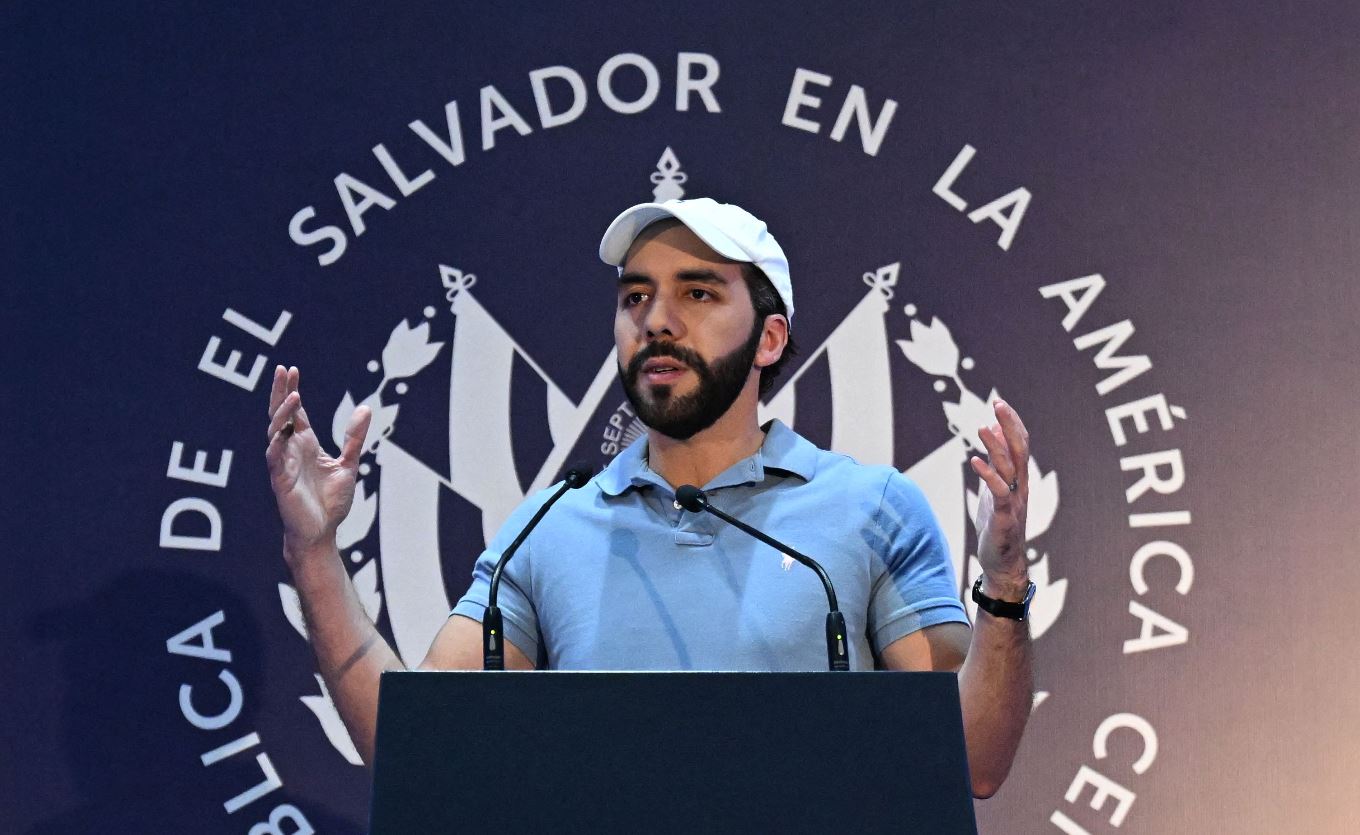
column 703, row 276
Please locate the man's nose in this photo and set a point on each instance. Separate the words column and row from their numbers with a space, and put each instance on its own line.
column 662, row 318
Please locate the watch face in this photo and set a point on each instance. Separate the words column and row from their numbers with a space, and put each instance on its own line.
column 1024, row 604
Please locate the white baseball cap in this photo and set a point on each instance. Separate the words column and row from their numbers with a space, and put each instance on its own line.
column 729, row 230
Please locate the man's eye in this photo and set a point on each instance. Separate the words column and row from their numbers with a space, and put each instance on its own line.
column 632, row 299
column 699, row 294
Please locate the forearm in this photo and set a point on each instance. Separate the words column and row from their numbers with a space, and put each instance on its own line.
column 996, row 686
column 350, row 653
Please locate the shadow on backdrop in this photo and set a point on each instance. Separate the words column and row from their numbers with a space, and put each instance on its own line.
column 134, row 760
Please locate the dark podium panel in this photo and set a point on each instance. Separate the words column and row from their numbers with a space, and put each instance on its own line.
column 670, row 752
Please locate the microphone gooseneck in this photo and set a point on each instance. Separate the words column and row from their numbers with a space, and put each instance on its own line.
column 493, row 629
column 691, row 498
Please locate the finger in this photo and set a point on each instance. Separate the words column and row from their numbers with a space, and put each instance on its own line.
column 279, row 389
column 354, row 437
column 994, row 482
column 285, row 413
column 997, row 453
column 273, row 453
column 300, row 420
column 1017, row 439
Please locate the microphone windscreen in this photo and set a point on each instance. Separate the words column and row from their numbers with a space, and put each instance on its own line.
column 691, row 498
column 579, row 474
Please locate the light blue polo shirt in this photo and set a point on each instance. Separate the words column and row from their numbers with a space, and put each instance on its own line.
column 616, row 577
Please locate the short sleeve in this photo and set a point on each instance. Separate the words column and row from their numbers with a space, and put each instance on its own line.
column 916, row 587
column 515, row 595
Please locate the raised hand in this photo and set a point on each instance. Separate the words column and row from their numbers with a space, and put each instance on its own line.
column 1002, row 506
column 314, row 491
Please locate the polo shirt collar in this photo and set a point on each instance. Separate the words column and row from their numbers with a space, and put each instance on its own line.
column 784, row 452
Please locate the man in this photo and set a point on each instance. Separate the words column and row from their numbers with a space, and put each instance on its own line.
column 618, row 576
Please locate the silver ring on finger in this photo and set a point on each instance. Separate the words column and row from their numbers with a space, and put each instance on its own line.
column 1014, row 485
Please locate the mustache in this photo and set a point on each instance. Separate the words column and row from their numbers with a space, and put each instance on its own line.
column 665, row 349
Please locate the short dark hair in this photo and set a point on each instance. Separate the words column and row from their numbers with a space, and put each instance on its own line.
column 766, row 301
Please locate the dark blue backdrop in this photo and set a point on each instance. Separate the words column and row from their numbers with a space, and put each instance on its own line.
column 1201, row 159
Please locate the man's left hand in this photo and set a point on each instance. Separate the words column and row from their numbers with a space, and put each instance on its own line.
column 1002, row 506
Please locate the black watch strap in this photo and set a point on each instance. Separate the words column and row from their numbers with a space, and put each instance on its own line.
column 1001, row 608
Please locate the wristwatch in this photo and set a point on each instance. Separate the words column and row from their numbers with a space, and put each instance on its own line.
column 1001, row 608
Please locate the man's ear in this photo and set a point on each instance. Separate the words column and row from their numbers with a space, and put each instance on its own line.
column 774, row 336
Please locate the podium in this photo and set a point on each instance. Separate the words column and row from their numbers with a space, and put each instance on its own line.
column 670, row 752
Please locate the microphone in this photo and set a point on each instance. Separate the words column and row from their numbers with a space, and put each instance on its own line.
column 493, row 631
column 691, row 498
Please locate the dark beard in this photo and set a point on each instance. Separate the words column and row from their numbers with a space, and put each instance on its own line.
column 719, row 386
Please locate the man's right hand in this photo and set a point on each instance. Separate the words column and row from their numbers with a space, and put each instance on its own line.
column 314, row 491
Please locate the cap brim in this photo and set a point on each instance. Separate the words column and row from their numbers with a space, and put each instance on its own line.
column 621, row 234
